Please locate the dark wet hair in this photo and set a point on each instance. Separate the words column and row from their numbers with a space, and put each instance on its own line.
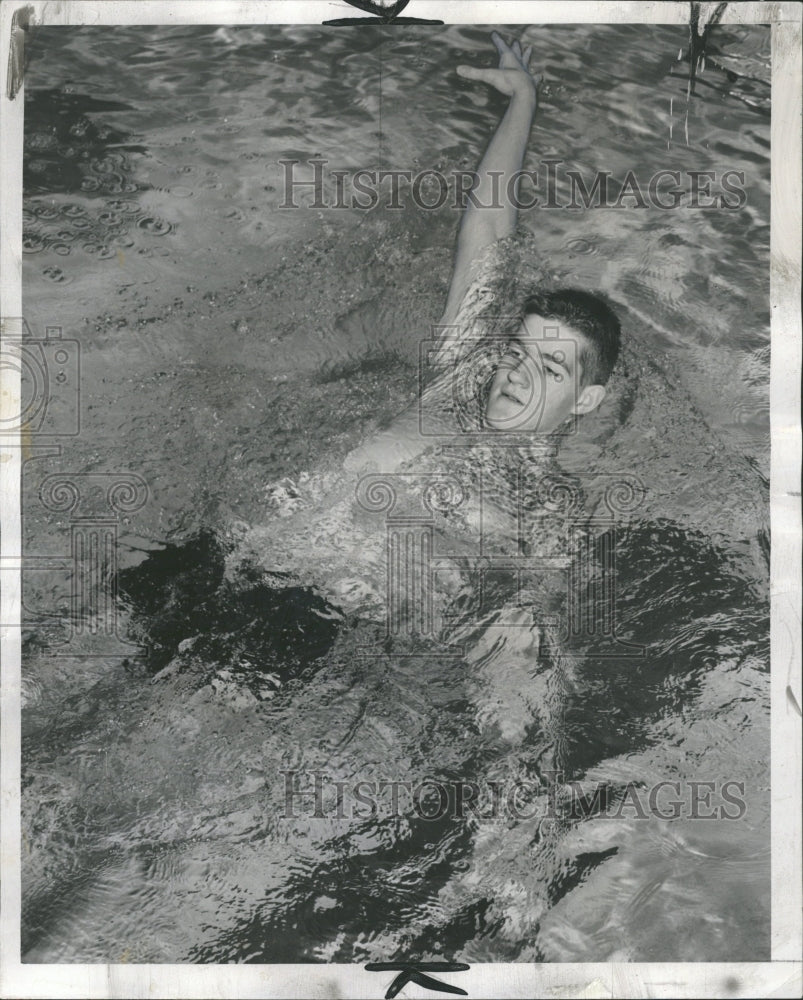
column 590, row 315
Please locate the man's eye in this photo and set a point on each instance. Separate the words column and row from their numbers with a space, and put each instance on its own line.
column 554, row 374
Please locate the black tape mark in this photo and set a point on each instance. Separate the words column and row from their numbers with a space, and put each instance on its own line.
column 386, row 14
column 412, row 972
column 698, row 39
column 21, row 20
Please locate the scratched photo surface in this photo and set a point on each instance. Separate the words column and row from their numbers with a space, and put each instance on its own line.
column 321, row 664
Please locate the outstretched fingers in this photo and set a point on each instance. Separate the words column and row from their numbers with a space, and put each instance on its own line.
column 514, row 49
column 501, row 45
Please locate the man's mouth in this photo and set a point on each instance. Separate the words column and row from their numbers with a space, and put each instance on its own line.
column 511, row 395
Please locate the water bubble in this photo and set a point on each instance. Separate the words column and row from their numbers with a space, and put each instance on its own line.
column 130, row 187
column 109, row 164
column 54, row 273
column 41, row 140
column 124, row 206
column 32, row 243
column 581, row 246
column 81, row 224
column 71, row 210
column 155, row 226
column 62, row 249
column 46, row 211
column 112, row 182
column 109, row 218
column 65, row 235
column 90, row 184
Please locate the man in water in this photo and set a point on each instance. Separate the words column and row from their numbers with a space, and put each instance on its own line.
column 555, row 366
column 566, row 341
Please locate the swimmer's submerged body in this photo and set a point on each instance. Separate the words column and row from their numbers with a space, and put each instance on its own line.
column 471, row 453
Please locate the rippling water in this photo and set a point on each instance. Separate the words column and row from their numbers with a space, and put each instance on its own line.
column 219, row 335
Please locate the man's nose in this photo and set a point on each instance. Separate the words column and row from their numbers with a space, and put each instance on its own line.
column 523, row 371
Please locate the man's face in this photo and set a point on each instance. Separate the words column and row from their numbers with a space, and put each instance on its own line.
column 537, row 384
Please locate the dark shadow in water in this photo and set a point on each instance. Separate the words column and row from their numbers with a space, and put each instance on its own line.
column 365, row 895
column 182, row 593
column 179, row 596
column 689, row 603
column 576, row 872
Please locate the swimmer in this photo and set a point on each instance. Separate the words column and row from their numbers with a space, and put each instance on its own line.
column 561, row 355
column 554, row 367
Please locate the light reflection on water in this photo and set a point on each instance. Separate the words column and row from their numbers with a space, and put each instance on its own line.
column 216, row 330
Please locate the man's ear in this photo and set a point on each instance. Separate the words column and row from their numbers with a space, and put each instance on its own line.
column 589, row 399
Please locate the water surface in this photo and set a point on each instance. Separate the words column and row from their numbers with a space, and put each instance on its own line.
column 226, row 344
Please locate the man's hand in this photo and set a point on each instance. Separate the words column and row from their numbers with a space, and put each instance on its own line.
column 513, row 75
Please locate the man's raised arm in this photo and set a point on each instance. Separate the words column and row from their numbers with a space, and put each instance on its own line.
column 490, row 214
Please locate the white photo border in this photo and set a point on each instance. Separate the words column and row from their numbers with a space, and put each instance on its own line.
column 781, row 977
